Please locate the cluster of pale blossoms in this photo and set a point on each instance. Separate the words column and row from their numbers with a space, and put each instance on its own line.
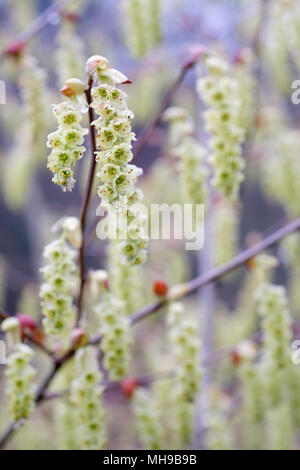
column 143, row 29
column 86, row 393
column 19, row 372
column 273, row 308
column 191, row 155
column 60, row 277
column 184, row 343
column 118, row 177
column 66, row 142
column 219, row 91
column 225, row 229
column 147, row 416
column 114, row 326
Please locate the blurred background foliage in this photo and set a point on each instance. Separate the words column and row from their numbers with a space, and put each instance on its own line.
column 30, row 203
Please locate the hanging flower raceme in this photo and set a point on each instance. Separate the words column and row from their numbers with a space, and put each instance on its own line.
column 272, row 306
column 290, row 250
column 66, row 142
column 281, row 168
column 34, row 95
column 184, row 342
column 191, row 155
column 126, row 282
column 226, row 224
column 28, row 150
column 147, row 419
column 86, row 393
column 253, row 403
column 70, row 47
column 220, row 92
column 143, row 29
column 243, row 72
column 282, row 40
column 65, row 418
column 281, row 378
column 19, row 373
column 118, row 177
column 115, row 328
column 60, row 276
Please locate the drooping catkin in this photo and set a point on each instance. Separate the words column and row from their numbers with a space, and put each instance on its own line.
column 243, row 72
column 28, row 151
column 226, row 226
column 281, row 378
column 191, row 155
column 279, row 428
column 272, row 306
column 70, row 47
column 60, row 277
column 65, row 418
column 114, row 325
column 126, row 282
column 219, row 435
column 147, row 419
column 185, row 347
column 19, row 372
column 282, row 42
column 253, row 404
column 28, row 301
column 86, row 393
column 290, row 250
column 23, row 13
column 280, row 169
column 184, row 344
column 114, row 136
column 220, row 92
column 143, row 29
column 275, row 49
column 66, row 142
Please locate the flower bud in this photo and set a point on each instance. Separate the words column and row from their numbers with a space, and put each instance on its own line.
column 96, row 64
column 129, row 386
column 72, row 87
column 78, row 338
column 160, row 288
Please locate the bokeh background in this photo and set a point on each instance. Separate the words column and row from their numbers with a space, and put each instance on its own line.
column 30, row 203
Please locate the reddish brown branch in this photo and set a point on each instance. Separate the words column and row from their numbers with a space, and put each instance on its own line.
column 86, row 199
column 28, row 336
column 147, row 132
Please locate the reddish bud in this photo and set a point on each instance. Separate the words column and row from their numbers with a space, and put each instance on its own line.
column 194, row 54
column 244, row 351
column 129, row 386
column 15, row 48
column 251, row 264
column 160, row 288
column 39, row 335
column 27, row 323
column 236, row 357
column 78, row 338
column 71, row 16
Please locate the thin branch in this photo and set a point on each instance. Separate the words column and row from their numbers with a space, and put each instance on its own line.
column 217, row 273
column 28, row 336
column 185, row 289
column 40, row 23
column 147, row 132
column 3, row 315
column 86, row 199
